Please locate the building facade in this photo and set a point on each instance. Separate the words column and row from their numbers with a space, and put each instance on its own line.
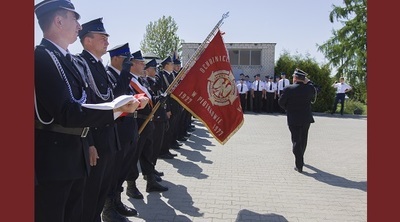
column 247, row 58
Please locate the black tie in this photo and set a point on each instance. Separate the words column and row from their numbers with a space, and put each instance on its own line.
column 270, row 86
column 140, row 81
column 283, row 83
column 241, row 88
column 144, row 82
column 100, row 65
column 68, row 56
column 258, row 85
column 71, row 60
column 131, row 91
column 74, row 65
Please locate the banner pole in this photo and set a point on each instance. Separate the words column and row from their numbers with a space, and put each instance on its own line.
column 184, row 70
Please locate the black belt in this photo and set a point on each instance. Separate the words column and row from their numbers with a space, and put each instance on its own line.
column 141, row 116
column 134, row 114
column 60, row 129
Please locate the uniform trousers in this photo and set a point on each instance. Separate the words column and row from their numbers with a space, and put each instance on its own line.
column 339, row 97
column 257, row 101
column 158, row 137
column 67, row 199
column 299, row 134
column 270, row 102
column 243, row 100
column 281, row 110
column 170, row 136
column 123, row 160
column 98, row 184
column 249, row 104
column 182, row 124
column 143, row 153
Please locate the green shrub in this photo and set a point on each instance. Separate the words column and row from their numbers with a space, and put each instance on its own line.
column 353, row 107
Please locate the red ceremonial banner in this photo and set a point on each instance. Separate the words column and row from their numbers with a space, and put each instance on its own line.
column 209, row 92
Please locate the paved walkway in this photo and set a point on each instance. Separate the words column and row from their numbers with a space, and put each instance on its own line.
column 251, row 177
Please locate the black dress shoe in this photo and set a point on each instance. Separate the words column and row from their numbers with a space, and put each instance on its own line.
column 175, row 142
column 158, row 178
column 158, row 173
column 298, row 170
column 175, row 147
column 171, row 154
column 110, row 213
column 155, row 187
column 112, row 216
column 134, row 192
column 184, row 138
column 165, row 156
column 125, row 210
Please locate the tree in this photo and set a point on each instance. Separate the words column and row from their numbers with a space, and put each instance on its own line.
column 319, row 75
column 161, row 38
column 347, row 49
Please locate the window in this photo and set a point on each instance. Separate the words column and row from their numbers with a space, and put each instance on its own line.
column 255, row 58
column 234, row 57
column 245, row 57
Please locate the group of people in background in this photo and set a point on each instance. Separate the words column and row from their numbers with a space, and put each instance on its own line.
column 261, row 95
column 83, row 156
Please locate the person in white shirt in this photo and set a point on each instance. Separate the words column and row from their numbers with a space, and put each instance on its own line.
column 341, row 89
column 242, row 89
column 282, row 83
column 270, row 94
column 277, row 108
column 249, row 105
column 258, row 89
column 241, row 76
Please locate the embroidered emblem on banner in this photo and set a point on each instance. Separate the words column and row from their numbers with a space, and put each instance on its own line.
column 221, row 88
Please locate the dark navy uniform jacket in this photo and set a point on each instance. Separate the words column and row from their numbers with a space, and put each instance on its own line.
column 127, row 125
column 61, row 156
column 156, row 86
column 296, row 100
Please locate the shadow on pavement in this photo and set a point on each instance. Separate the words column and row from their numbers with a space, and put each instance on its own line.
column 246, row 215
column 187, row 168
column 156, row 209
column 193, row 155
column 200, row 139
column 334, row 180
column 198, row 142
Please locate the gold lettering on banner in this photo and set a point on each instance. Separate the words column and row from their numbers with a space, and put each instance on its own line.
column 211, row 61
column 217, row 130
column 186, row 98
column 203, row 102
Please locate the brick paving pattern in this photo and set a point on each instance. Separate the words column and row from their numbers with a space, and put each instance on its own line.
column 251, row 177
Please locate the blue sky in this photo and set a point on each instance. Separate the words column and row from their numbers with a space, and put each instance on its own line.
column 295, row 26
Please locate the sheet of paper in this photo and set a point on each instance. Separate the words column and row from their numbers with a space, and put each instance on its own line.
column 117, row 102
